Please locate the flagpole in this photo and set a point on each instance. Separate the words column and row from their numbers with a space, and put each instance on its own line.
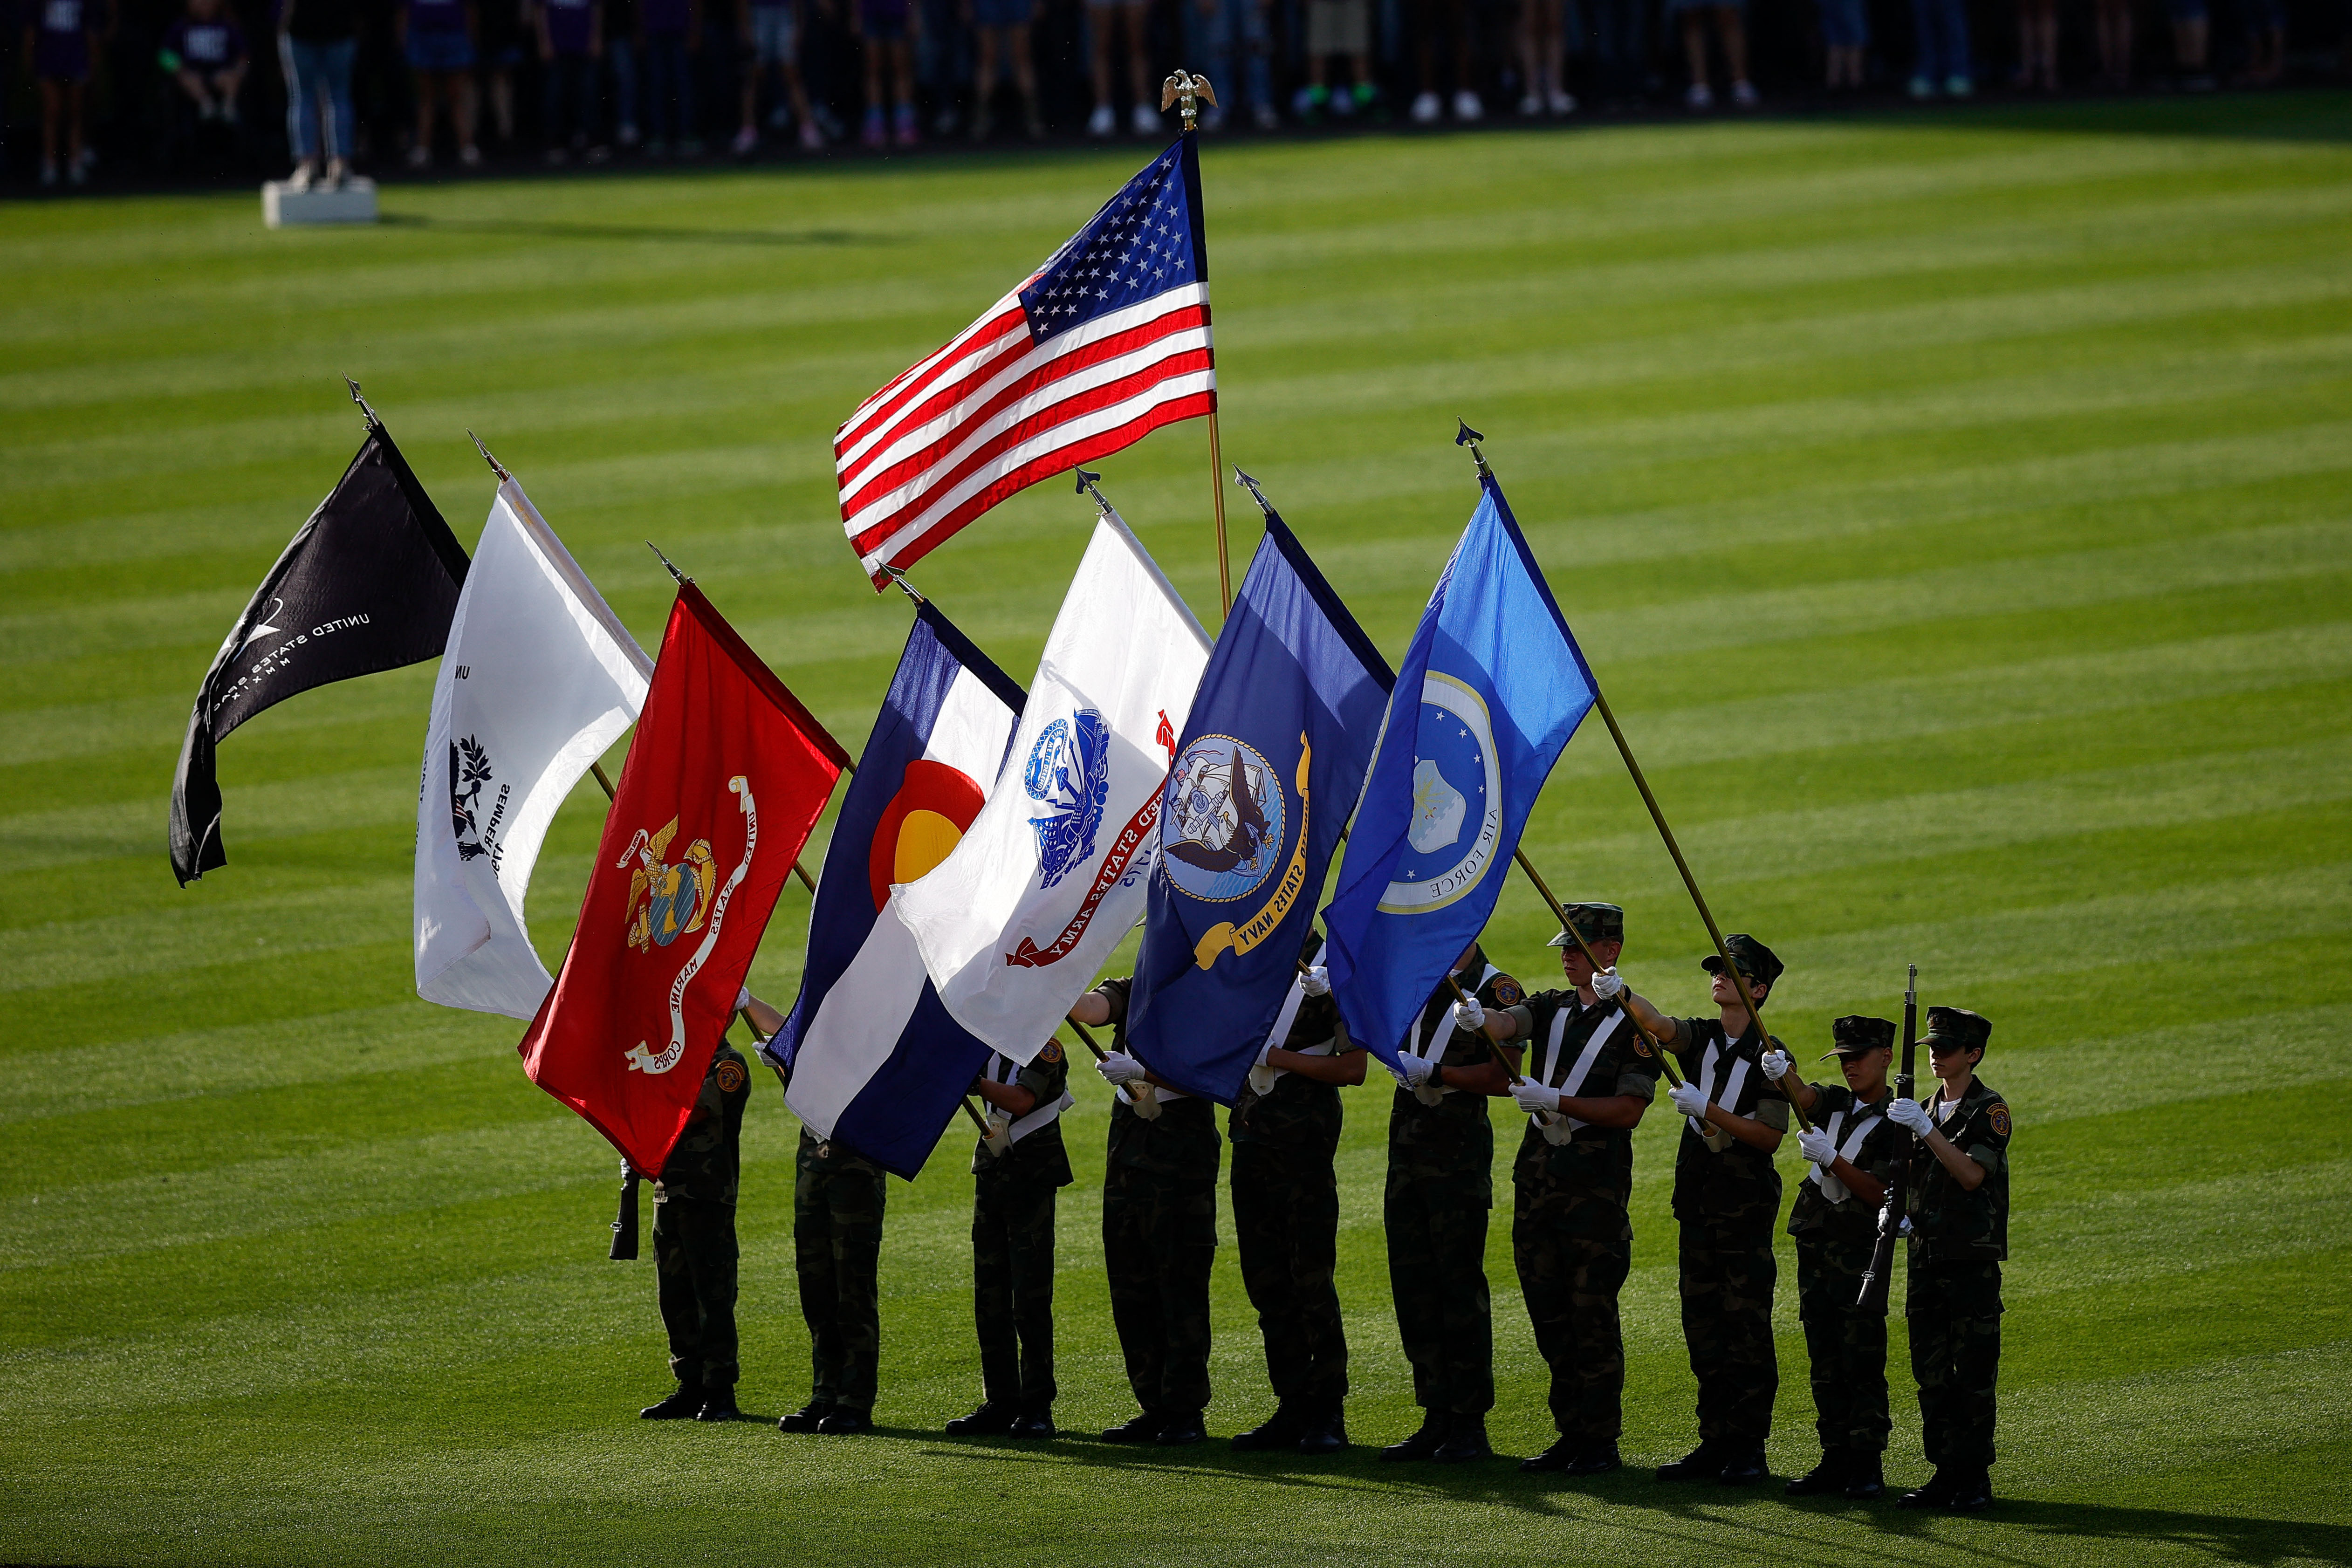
column 1186, row 91
column 1471, row 438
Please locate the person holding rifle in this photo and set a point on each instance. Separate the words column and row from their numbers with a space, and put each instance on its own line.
column 1959, row 1205
column 1589, row 1077
column 1726, row 1197
column 1854, row 1152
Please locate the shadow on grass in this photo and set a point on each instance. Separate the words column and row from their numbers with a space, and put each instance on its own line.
column 533, row 228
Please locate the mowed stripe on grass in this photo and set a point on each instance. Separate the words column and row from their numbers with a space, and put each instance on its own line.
column 1957, row 511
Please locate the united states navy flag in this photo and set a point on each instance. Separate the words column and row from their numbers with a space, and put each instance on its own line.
column 1268, row 767
column 1491, row 689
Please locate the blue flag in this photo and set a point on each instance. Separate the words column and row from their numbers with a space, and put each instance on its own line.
column 1492, row 688
column 871, row 1058
column 1269, row 765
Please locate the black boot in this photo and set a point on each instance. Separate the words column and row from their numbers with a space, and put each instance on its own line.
column 1143, row 1428
column 680, row 1405
column 990, row 1420
column 717, row 1405
column 1421, row 1444
column 1597, row 1460
column 1863, row 1479
column 1703, row 1463
column 1935, row 1494
column 1032, row 1424
column 1743, row 1467
column 1279, row 1430
column 1465, row 1440
column 1324, row 1431
column 1829, row 1475
column 846, row 1423
column 1563, row 1451
column 1182, row 1428
column 1970, row 1492
column 806, row 1418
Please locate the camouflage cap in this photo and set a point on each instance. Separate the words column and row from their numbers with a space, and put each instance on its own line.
column 1857, row 1034
column 1756, row 961
column 1594, row 922
column 1957, row 1028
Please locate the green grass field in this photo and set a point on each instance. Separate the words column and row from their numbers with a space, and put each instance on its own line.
column 1959, row 509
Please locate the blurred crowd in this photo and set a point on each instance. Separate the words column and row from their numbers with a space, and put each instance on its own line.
column 157, row 89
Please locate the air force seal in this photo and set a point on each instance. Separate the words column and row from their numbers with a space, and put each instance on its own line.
column 1458, row 801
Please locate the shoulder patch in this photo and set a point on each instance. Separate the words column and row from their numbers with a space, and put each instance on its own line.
column 1052, row 1053
column 1506, row 992
column 1641, row 1046
column 730, row 1077
column 1999, row 1118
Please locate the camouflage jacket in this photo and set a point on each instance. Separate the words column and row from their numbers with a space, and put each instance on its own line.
column 1717, row 1177
column 706, row 1162
column 1038, row 1155
column 1453, row 1137
column 1949, row 1225
column 1847, row 1219
column 1298, row 1113
column 826, row 1157
column 1589, row 1178
column 1182, row 1142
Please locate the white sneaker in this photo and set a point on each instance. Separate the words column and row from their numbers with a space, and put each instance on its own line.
column 1146, row 120
column 1560, row 103
column 1467, row 107
column 1698, row 96
column 1922, row 87
column 1101, row 122
column 747, row 141
column 299, row 181
column 1744, row 95
column 420, row 156
column 336, row 173
column 1426, row 108
column 1265, row 118
column 1531, row 104
column 470, row 156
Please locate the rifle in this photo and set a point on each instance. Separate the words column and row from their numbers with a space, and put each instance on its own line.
column 1878, row 1279
column 624, row 1224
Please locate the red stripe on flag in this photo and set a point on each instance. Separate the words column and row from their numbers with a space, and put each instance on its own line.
column 881, row 408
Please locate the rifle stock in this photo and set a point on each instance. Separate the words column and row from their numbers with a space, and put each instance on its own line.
column 625, row 1223
column 1878, row 1279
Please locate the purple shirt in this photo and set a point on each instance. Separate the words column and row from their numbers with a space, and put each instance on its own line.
column 213, row 46
column 568, row 24
column 436, row 15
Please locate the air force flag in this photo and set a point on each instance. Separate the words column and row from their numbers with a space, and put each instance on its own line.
column 1269, row 766
column 874, row 1059
column 1491, row 689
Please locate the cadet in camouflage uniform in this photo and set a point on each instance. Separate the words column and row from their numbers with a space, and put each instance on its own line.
column 1959, row 1200
column 1727, row 1200
column 1016, row 1170
column 1441, row 1185
column 1590, row 1076
column 693, row 1245
column 1160, row 1234
column 1285, row 1131
column 1855, row 1153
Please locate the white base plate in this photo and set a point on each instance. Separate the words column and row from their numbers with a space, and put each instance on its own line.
column 354, row 203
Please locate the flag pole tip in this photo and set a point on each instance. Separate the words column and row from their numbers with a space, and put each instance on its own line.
column 682, row 579
column 485, row 451
column 358, row 398
column 1246, row 483
column 905, row 586
column 1086, row 487
column 1466, row 436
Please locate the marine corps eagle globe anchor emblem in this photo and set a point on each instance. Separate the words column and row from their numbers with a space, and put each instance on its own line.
column 676, row 901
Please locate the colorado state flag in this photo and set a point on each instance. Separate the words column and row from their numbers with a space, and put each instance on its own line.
column 1491, row 689
column 1269, row 766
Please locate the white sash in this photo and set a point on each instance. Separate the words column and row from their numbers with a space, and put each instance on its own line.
column 1832, row 1188
column 1005, row 1070
column 1720, row 1089
column 1556, row 1126
column 1262, row 1080
column 1430, row 1044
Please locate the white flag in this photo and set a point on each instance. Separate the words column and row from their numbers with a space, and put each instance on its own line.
column 1052, row 872
column 540, row 676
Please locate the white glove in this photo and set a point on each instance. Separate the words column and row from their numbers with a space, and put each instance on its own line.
column 998, row 1135
column 1412, row 1071
column 1145, row 1100
column 1316, row 982
column 1535, row 1098
column 742, row 998
column 1817, row 1146
column 1909, row 1116
column 1469, row 1017
column 1689, row 1100
column 1606, row 984
column 1119, row 1069
column 1775, row 1063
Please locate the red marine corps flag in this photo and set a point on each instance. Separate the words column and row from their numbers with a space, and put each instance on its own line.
column 726, row 775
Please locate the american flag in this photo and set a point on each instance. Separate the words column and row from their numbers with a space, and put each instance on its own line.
column 1106, row 343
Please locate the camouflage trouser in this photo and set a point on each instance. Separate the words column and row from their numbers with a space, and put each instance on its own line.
column 1570, row 1285
column 1728, row 1272
column 1013, row 1287
column 1287, row 1223
column 1845, row 1343
column 1955, row 1313
column 837, row 1246
column 1437, row 1256
column 1160, row 1237
column 694, row 1261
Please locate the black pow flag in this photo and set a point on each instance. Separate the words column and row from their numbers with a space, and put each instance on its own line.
column 369, row 583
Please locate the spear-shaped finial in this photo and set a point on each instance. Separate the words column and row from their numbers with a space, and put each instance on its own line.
column 1246, row 483
column 364, row 410
column 1186, row 92
column 1466, row 436
column 501, row 473
column 1086, row 487
column 905, row 586
column 682, row 579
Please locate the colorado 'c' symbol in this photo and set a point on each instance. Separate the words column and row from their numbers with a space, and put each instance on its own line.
column 934, row 807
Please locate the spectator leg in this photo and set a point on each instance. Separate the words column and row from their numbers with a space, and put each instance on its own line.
column 1694, row 44
column 1099, row 21
column 1732, row 26
column 1136, row 19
